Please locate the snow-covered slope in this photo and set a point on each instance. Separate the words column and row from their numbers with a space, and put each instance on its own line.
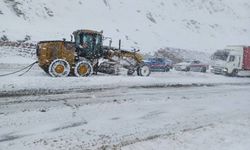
column 147, row 24
column 179, row 55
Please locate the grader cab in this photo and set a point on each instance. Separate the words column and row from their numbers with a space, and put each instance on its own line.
column 82, row 56
column 89, row 43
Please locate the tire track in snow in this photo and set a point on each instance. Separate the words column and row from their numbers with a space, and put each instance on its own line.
column 152, row 137
column 37, row 92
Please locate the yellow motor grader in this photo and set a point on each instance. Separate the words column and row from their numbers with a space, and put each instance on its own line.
column 86, row 55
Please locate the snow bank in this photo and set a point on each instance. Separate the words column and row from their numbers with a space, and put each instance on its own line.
column 37, row 82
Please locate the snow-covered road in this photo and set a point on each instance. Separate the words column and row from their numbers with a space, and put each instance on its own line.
column 174, row 110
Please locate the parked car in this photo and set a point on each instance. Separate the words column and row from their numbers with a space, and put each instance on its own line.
column 191, row 65
column 159, row 64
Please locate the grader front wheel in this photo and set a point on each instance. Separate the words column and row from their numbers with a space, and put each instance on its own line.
column 83, row 69
column 144, row 71
column 59, row 68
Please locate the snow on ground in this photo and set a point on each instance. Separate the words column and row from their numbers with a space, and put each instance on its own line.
column 230, row 135
column 153, row 118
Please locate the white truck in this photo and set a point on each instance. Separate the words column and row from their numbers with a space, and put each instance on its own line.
column 232, row 61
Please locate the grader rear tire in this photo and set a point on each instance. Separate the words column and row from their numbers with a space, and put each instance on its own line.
column 83, row 69
column 59, row 68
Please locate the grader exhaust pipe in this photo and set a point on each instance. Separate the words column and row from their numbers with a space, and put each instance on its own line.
column 120, row 43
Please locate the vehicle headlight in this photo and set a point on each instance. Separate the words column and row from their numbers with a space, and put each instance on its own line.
column 225, row 69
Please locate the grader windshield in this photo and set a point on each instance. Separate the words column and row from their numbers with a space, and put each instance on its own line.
column 89, row 43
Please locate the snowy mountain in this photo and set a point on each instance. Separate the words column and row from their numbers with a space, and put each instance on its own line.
column 202, row 25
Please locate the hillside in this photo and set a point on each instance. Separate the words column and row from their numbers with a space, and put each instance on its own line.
column 149, row 25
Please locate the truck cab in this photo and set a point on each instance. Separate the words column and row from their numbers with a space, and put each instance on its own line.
column 234, row 61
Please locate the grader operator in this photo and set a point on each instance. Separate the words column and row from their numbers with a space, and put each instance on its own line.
column 87, row 55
